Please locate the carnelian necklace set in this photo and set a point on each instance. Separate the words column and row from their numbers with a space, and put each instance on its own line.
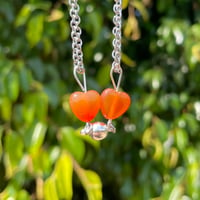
column 86, row 104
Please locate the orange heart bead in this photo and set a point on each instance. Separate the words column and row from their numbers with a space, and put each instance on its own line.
column 114, row 103
column 85, row 105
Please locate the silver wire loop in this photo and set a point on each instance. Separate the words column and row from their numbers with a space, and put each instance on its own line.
column 87, row 130
column 110, row 126
column 120, row 72
column 82, row 72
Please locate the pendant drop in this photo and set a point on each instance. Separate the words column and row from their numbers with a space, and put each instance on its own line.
column 114, row 103
column 85, row 105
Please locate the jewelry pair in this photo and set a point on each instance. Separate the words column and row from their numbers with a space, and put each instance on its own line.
column 86, row 105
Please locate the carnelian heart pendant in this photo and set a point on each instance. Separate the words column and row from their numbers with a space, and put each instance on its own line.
column 85, row 105
column 114, row 103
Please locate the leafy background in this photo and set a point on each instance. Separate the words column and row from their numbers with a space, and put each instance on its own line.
column 155, row 152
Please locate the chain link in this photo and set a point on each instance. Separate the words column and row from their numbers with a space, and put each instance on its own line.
column 117, row 20
column 77, row 53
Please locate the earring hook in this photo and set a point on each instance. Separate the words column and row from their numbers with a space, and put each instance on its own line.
column 118, row 71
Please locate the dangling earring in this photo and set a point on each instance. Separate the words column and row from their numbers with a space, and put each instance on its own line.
column 113, row 102
column 86, row 104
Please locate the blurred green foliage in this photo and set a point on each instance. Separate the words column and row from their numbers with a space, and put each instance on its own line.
column 154, row 154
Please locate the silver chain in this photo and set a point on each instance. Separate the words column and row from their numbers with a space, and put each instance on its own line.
column 117, row 20
column 77, row 53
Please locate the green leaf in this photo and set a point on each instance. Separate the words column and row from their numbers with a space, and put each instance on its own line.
column 55, row 15
column 70, row 141
column 17, row 116
column 28, row 110
column 141, row 8
column 89, row 140
column 94, row 24
column 6, row 108
column 12, row 86
column 153, row 76
column 176, row 193
column 41, row 162
column 24, row 14
column 37, row 136
column 175, row 101
column 54, row 91
column 149, row 100
column 173, row 188
column 25, row 78
column 191, row 122
column 9, row 192
column 181, row 139
column 50, row 192
column 43, row 5
column 34, row 137
column 7, row 10
column 23, row 195
column 41, row 106
column 128, row 61
column 63, row 173
column 161, row 129
column 2, row 86
column 14, row 151
column 34, row 29
column 93, row 185
column 1, row 147
column 125, row 4
column 48, row 46
column 131, row 29
column 192, row 175
column 64, row 30
column 37, row 67
column 103, row 77
column 5, row 67
column 35, row 107
column 91, row 182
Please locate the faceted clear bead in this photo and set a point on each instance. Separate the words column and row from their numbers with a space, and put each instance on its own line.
column 99, row 131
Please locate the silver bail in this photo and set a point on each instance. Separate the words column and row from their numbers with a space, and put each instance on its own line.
column 120, row 72
column 87, row 130
column 110, row 126
column 82, row 72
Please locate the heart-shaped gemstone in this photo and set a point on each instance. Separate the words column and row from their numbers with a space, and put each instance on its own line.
column 114, row 103
column 85, row 105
